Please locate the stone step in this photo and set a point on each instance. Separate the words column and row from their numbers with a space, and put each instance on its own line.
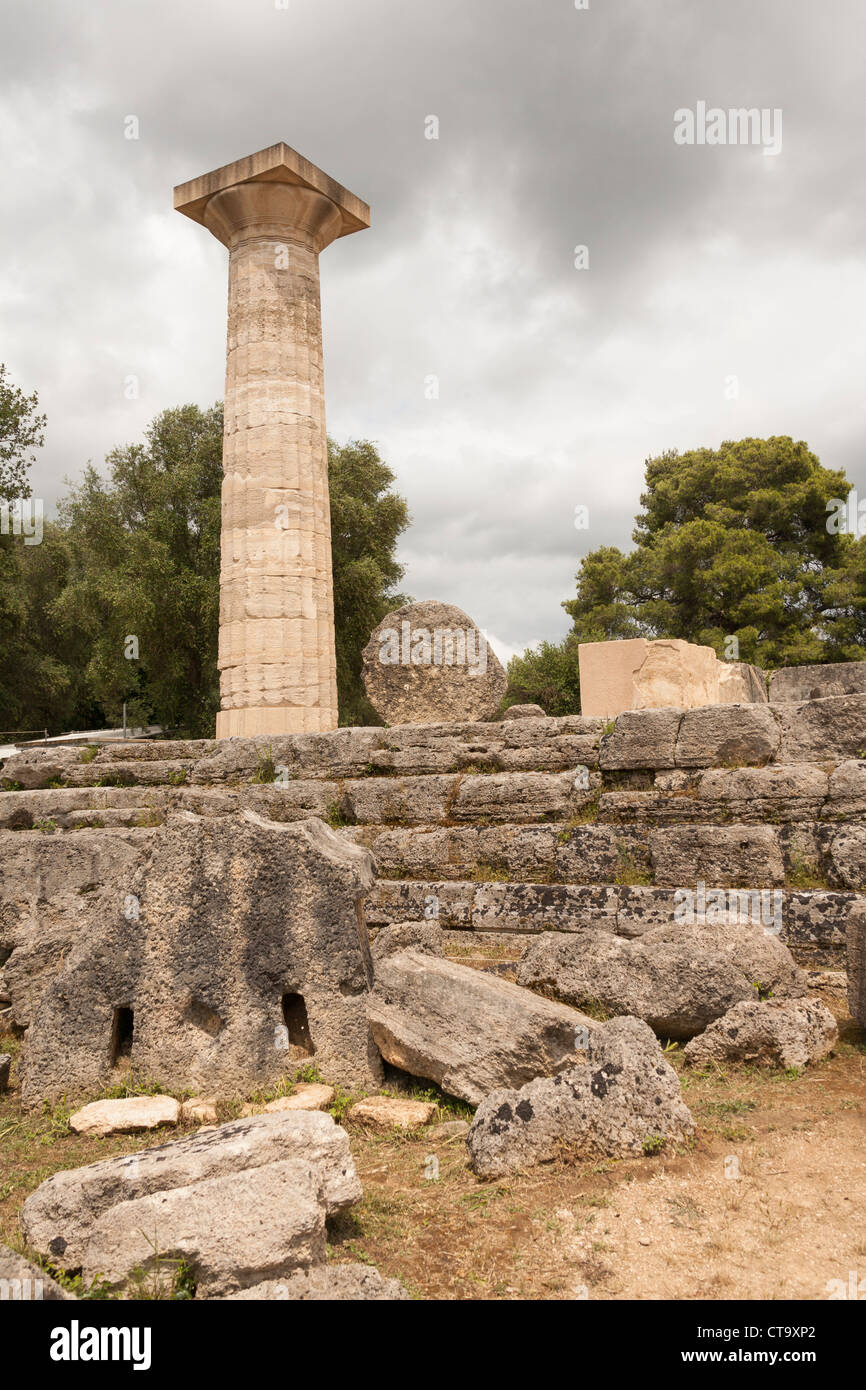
column 789, row 792
column 829, row 730
column 812, row 921
column 449, row 800
column 801, row 854
column 810, row 854
column 784, row 793
column 519, row 745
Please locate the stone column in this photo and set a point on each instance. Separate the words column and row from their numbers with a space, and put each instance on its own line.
column 275, row 212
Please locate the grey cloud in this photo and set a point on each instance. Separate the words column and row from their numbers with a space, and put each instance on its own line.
column 556, row 129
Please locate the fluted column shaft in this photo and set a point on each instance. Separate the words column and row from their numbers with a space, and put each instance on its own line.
column 276, row 641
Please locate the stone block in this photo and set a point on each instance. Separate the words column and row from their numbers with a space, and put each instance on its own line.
column 857, row 963
column 641, row 674
column 794, row 684
column 427, row 662
column 233, row 953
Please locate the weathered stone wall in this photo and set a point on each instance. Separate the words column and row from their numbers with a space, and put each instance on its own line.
column 497, row 831
column 228, row 947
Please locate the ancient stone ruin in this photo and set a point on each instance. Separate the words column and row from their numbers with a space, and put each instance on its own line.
column 276, row 212
column 427, row 662
column 225, row 949
column 665, row 673
column 522, row 911
column 174, row 906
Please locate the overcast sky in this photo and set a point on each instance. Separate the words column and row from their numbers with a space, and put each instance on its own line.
column 556, row 129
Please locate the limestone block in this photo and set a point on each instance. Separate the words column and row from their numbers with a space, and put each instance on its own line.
column 392, row 1112
column 830, row 729
column 640, row 674
column 58, row 1217
column 467, row 1031
column 772, row 1032
column 794, row 684
column 427, row 662
column 729, row 734
column 857, row 963
column 622, row 1094
column 128, row 1116
column 529, row 907
column 637, row 674
column 740, row 683
column 678, row 675
column 645, row 738
column 719, row 855
column 36, row 767
column 607, row 674
column 235, row 951
column 21, row 1281
column 331, row 1283
column 232, row 1231
column 673, row 987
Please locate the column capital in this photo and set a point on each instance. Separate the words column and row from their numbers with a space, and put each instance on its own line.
column 257, row 192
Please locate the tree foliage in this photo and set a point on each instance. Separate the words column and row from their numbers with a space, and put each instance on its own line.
column 21, row 431
column 730, row 542
column 367, row 519
column 120, row 604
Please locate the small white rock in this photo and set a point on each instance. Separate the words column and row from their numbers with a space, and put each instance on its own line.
column 128, row 1116
column 307, row 1095
column 390, row 1112
column 199, row 1110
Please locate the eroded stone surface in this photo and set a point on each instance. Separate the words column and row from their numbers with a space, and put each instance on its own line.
column 57, row 1218
column 427, row 662
column 331, row 1283
column 724, row 856
column 857, row 963
column 25, row 1282
column 238, row 949
column 306, row 1095
column 794, row 684
column 672, row 987
column 232, row 1231
column 467, row 1031
column 128, row 1116
column 720, row 734
column 392, row 1112
column 772, row 1032
column 38, row 767
column 623, row 1098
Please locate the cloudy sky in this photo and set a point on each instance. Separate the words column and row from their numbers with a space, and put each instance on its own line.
column 556, row 130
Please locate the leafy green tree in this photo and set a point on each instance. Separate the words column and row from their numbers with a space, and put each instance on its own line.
column 21, row 431
column 731, row 542
column 122, row 603
column 144, row 591
column 546, row 675
column 367, row 519
column 43, row 683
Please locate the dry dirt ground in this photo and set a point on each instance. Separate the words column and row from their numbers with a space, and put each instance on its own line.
column 769, row 1202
